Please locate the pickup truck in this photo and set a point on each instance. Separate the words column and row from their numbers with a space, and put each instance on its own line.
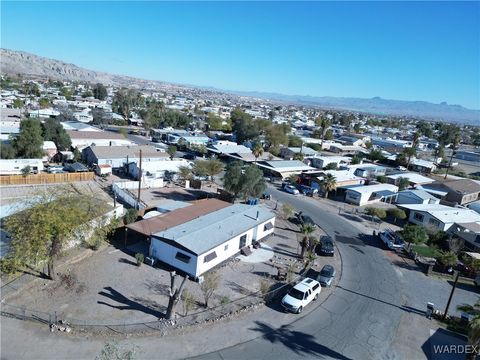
column 391, row 239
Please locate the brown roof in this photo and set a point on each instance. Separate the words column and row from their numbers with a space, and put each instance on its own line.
column 463, row 186
column 94, row 135
column 176, row 217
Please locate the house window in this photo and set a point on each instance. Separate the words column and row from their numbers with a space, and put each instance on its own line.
column 183, row 257
column 434, row 222
column 210, row 257
column 268, row 226
column 225, row 248
column 418, row 217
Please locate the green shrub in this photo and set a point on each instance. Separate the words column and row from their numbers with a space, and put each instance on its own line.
column 225, row 300
column 130, row 216
column 140, row 258
column 373, row 211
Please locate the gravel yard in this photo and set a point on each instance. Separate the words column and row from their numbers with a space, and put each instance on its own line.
column 108, row 287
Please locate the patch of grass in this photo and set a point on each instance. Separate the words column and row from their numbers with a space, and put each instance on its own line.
column 425, row 251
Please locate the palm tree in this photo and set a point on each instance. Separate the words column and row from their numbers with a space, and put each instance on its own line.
column 306, row 230
column 455, row 142
column 329, row 183
column 324, row 124
column 473, row 327
column 412, row 151
column 257, row 151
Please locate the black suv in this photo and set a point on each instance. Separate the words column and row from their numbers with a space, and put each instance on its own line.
column 305, row 219
column 326, row 246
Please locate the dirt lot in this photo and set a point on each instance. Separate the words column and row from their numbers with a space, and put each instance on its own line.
column 108, row 287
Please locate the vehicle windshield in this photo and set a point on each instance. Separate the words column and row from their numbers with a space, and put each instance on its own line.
column 297, row 294
column 326, row 272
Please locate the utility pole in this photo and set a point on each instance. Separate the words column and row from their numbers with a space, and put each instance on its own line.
column 139, row 180
column 451, row 295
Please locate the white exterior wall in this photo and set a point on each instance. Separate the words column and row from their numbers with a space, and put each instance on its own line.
column 83, row 143
column 356, row 198
column 15, row 166
column 426, row 221
column 166, row 253
column 260, row 233
column 222, row 254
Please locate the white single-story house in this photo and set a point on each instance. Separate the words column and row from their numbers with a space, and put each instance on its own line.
column 414, row 178
column 416, row 196
column 43, row 113
column 368, row 170
column 284, row 168
column 228, row 147
column 79, row 126
column 342, row 178
column 368, row 194
column 323, row 161
column 198, row 245
column 15, row 166
column 289, row 153
column 423, row 166
column 117, row 156
column 439, row 217
column 156, row 168
column 83, row 139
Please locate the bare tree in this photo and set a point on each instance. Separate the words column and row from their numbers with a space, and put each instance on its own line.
column 455, row 245
column 174, row 294
column 209, row 285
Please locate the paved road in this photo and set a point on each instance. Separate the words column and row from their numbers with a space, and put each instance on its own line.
column 366, row 317
column 358, row 321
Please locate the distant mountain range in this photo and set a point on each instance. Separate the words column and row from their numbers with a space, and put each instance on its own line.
column 19, row 62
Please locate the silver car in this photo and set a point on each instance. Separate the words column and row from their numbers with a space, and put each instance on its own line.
column 326, row 276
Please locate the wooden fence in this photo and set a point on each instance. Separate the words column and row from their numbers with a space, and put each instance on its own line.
column 45, row 178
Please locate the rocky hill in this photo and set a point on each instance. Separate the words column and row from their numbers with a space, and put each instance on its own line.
column 30, row 65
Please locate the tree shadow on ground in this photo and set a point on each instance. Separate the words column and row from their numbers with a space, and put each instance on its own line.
column 127, row 261
column 352, row 217
column 156, row 287
column 299, row 342
column 466, row 287
column 405, row 265
column 239, row 288
column 284, row 252
column 136, row 304
column 357, row 249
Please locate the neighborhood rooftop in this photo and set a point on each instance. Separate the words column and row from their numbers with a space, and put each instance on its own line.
column 213, row 229
column 177, row 216
column 118, row 152
column 446, row 214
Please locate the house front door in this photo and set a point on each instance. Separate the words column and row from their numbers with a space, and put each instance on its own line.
column 243, row 241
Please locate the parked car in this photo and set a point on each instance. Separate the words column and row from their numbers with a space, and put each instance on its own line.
column 326, row 246
column 305, row 219
column 326, row 276
column 291, row 189
column 301, row 295
column 307, row 190
column 391, row 239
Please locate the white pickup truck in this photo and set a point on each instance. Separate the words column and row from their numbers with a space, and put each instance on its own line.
column 391, row 239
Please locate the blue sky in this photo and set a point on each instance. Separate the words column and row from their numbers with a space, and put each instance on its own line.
column 397, row 50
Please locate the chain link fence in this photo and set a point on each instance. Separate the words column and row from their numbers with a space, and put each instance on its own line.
column 207, row 315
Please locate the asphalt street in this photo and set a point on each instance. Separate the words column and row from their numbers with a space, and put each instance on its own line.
column 358, row 321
